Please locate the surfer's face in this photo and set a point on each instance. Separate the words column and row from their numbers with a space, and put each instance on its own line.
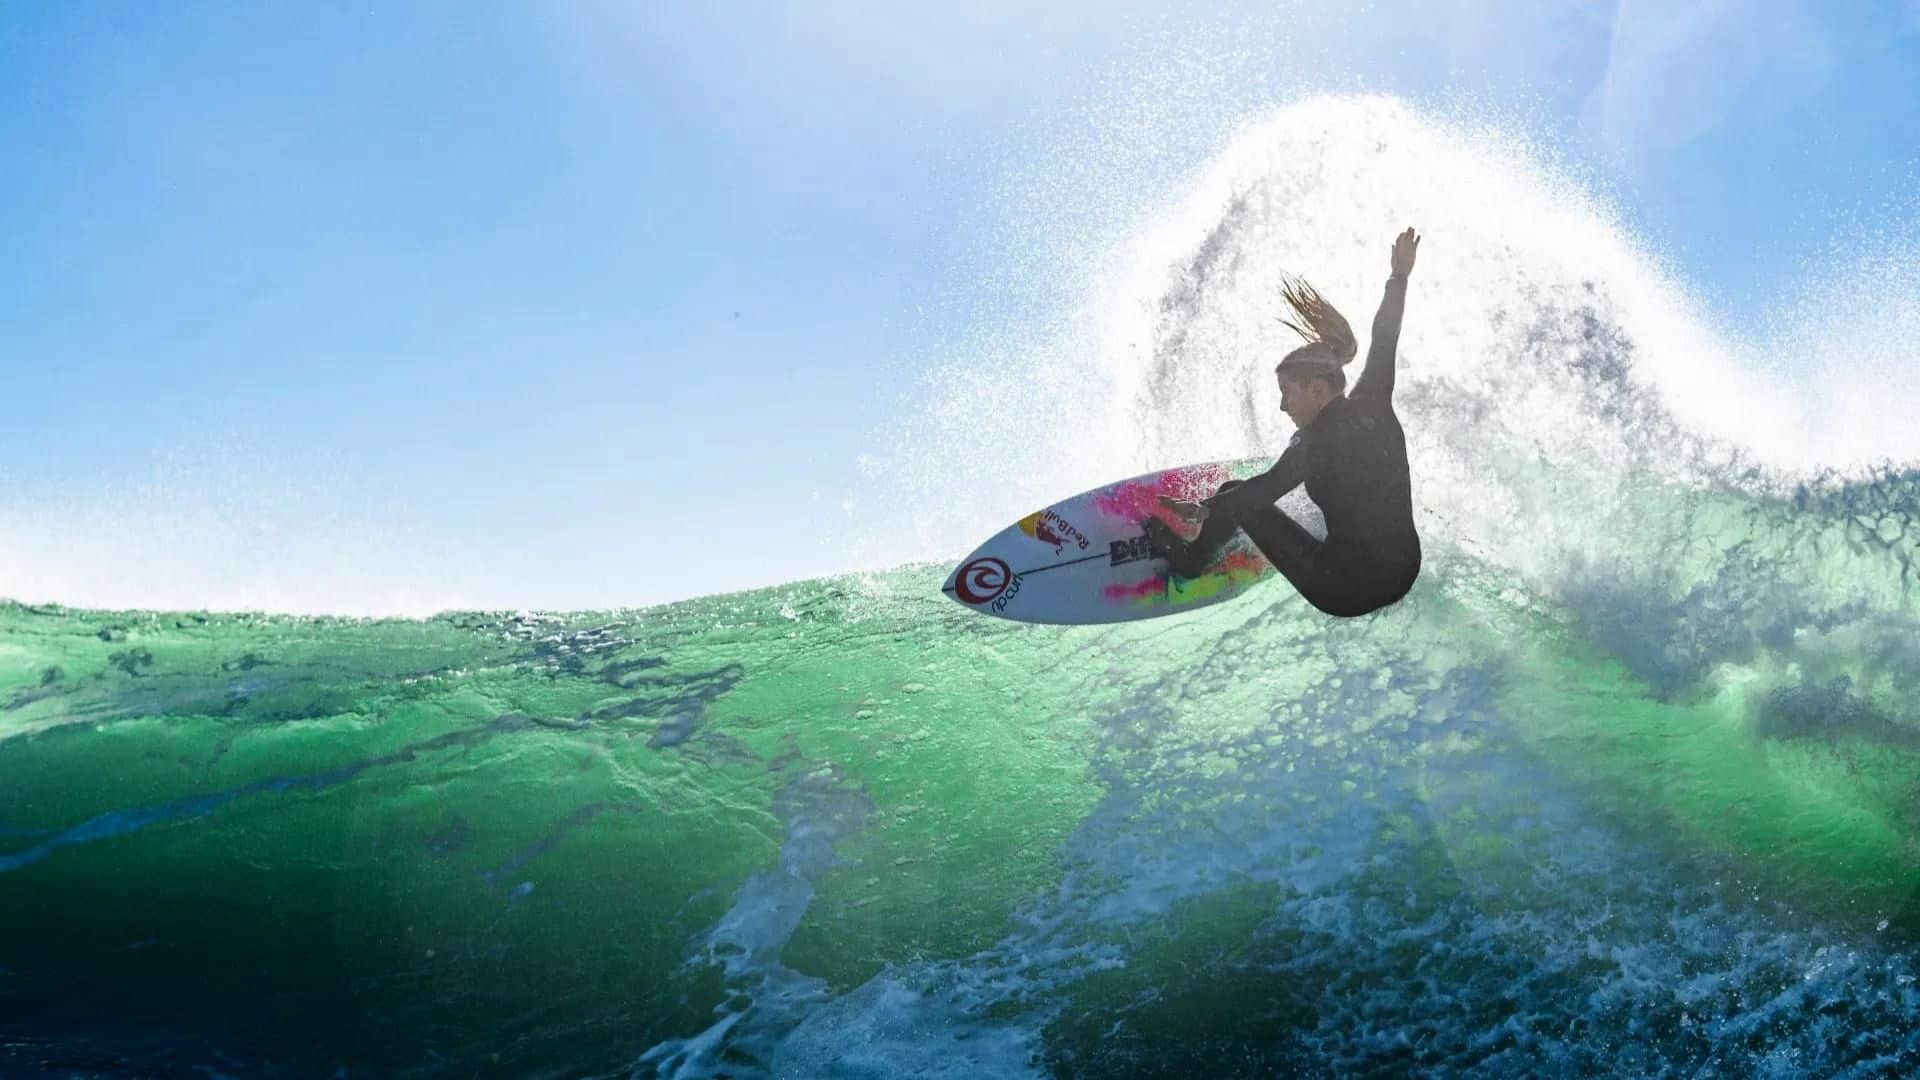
column 1302, row 399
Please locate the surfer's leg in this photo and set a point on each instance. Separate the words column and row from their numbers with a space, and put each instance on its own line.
column 1318, row 575
column 1286, row 543
column 1302, row 559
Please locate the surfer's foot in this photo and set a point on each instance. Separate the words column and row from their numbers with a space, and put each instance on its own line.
column 1166, row 541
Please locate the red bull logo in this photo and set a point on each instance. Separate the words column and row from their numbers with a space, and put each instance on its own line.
column 1050, row 528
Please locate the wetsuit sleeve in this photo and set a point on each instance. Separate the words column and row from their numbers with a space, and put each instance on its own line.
column 1376, row 382
column 1265, row 489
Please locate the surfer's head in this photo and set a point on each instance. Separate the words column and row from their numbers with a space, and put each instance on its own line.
column 1313, row 374
column 1307, row 389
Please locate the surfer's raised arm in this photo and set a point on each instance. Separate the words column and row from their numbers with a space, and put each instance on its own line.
column 1376, row 382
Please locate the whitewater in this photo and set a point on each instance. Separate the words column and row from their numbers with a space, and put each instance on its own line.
column 1629, row 783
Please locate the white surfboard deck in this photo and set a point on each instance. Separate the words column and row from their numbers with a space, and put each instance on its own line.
column 1087, row 559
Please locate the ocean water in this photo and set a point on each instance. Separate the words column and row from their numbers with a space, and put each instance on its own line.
column 1629, row 783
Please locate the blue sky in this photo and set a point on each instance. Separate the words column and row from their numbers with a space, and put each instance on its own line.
column 584, row 305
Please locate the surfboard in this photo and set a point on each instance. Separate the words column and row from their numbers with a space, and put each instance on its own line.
column 1087, row 559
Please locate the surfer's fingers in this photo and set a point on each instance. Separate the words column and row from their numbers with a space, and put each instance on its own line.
column 1185, row 511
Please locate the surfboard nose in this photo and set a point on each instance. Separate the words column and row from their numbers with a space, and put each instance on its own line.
column 981, row 580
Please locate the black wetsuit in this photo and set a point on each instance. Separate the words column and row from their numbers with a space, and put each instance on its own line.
column 1353, row 459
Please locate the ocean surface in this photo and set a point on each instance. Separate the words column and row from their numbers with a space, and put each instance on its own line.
column 1629, row 783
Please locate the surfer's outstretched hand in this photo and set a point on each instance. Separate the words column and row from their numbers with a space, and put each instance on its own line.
column 1190, row 512
column 1405, row 247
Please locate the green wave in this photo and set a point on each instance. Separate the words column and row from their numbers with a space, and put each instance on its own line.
column 565, row 840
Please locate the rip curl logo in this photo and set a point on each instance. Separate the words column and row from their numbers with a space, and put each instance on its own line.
column 1049, row 527
column 982, row 580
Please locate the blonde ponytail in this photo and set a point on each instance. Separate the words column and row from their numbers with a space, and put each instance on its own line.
column 1326, row 330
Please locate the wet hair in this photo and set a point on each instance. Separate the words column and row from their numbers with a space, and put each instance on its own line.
column 1330, row 343
column 1332, row 376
